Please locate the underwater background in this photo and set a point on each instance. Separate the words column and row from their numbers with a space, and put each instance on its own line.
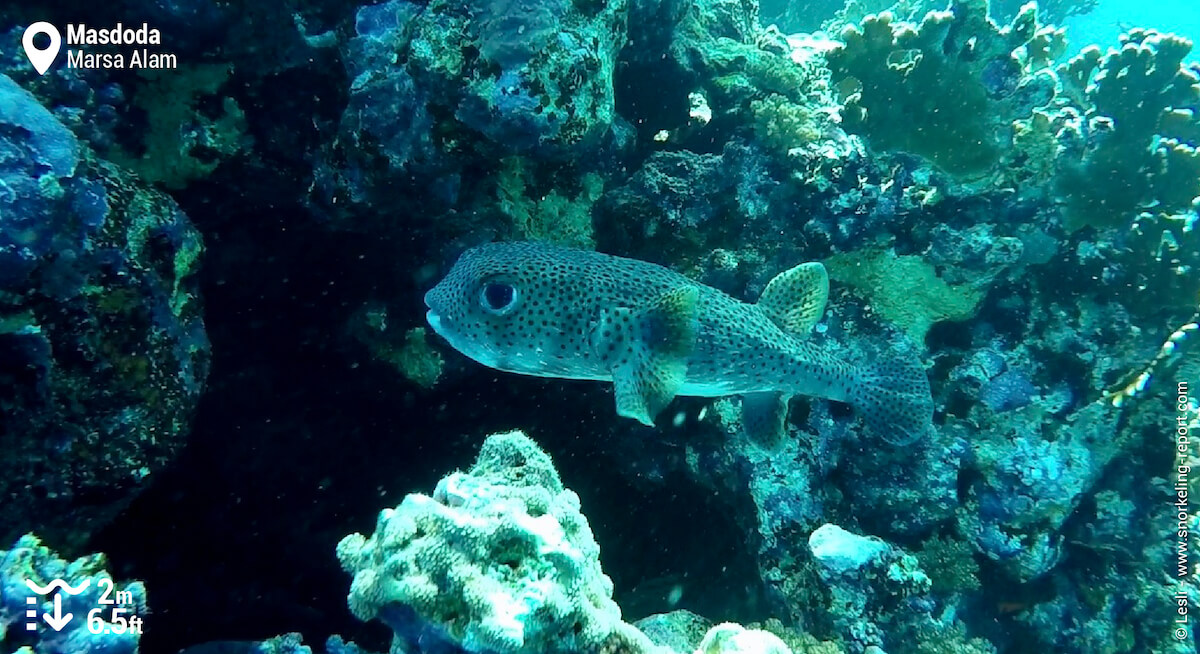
column 216, row 367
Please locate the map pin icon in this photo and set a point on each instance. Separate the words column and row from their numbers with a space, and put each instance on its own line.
column 41, row 59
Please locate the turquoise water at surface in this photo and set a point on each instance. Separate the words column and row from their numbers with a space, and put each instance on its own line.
column 1104, row 24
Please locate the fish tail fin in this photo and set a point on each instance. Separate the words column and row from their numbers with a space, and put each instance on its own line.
column 894, row 400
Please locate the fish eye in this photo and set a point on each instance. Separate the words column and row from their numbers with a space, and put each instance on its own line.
column 498, row 297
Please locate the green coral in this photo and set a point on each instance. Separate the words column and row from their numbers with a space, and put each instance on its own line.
column 441, row 51
column 905, row 290
column 751, row 75
column 419, row 362
column 1138, row 128
column 410, row 352
column 553, row 217
column 950, row 564
column 782, row 125
column 181, row 142
column 1032, row 161
column 938, row 638
column 745, row 71
column 886, row 70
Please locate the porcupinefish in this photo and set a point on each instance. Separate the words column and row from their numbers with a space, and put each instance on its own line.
column 542, row 310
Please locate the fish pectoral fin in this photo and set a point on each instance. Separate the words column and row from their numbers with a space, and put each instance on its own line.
column 648, row 351
column 764, row 417
column 668, row 327
column 795, row 299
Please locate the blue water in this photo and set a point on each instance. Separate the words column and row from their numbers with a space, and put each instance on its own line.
column 1111, row 18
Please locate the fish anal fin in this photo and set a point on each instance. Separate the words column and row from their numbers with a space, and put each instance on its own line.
column 795, row 299
column 764, row 417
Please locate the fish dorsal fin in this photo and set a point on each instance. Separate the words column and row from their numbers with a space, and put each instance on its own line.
column 648, row 349
column 795, row 299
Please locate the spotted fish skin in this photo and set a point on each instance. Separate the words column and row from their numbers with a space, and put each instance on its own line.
column 542, row 310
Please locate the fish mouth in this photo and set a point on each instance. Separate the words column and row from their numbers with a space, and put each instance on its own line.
column 435, row 322
column 432, row 316
column 442, row 327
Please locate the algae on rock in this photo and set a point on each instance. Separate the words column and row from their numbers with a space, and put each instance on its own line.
column 905, row 290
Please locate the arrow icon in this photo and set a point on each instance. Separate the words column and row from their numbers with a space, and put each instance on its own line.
column 58, row 620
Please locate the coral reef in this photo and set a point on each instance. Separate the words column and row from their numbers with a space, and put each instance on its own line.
column 181, row 143
column 499, row 559
column 498, row 79
column 905, row 290
column 735, row 639
column 553, row 217
column 1137, row 130
column 290, row 643
column 105, row 354
column 409, row 351
column 1019, row 215
column 89, row 629
column 885, row 71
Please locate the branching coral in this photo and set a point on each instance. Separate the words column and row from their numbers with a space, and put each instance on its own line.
column 1140, row 135
column 889, row 74
column 783, row 125
column 747, row 76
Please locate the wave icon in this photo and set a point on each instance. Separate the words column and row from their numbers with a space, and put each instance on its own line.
column 57, row 583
